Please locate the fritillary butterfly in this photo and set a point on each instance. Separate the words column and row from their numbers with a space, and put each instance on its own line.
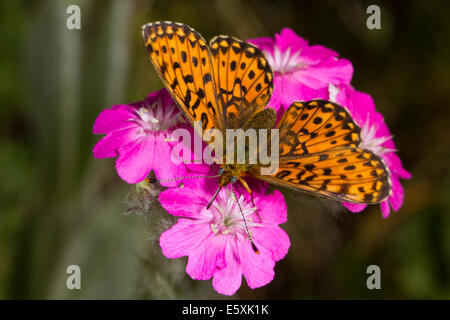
column 228, row 84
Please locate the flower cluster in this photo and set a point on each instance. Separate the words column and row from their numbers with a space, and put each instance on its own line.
column 237, row 236
column 216, row 239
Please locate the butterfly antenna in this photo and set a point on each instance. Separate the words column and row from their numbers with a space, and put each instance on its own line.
column 245, row 222
column 214, row 197
column 154, row 180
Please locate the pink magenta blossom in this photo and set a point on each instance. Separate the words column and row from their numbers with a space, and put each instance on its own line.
column 139, row 135
column 301, row 72
column 375, row 136
column 215, row 239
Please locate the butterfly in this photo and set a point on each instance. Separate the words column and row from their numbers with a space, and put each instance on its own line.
column 227, row 85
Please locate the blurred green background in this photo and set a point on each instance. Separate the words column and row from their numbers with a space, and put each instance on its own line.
column 59, row 206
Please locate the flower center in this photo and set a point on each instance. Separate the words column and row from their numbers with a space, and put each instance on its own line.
column 371, row 142
column 227, row 217
column 156, row 116
column 284, row 62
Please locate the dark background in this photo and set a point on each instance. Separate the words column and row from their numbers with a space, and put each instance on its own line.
column 59, row 206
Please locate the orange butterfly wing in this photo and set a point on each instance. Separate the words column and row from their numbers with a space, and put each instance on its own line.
column 319, row 154
column 243, row 79
column 182, row 59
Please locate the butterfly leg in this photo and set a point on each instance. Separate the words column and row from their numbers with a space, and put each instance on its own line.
column 245, row 185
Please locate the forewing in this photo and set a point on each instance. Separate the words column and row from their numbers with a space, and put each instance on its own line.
column 183, row 61
column 243, row 79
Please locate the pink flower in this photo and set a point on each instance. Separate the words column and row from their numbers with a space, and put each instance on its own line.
column 215, row 239
column 139, row 134
column 375, row 136
column 301, row 72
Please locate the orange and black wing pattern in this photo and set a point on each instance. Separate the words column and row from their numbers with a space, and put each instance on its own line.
column 316, row 126
column 319, row 154
column 182, row 59
column 243, row 78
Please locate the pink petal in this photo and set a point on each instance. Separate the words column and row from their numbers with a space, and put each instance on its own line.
column 208, row 185
column 273, row 239
column 314, row 54
column 183, row 238
column 228, row 280
column 354, row 207
column 136, row 159
column 322, row 74
column 385, row 209
column 206, row 258
column 256, row 268
column 272, row 207
column 107, row 146
column 114, row 119
column 163, row 95
column 395, row 165
column 289, row 39
column 200, row 168
column 163, row 166
column 398, row 194
column 185, row 202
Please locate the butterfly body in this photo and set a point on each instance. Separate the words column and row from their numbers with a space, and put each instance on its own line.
column 230, row 173
column 228, row 84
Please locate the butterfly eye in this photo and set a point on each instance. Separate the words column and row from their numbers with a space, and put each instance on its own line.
column 221, row 171
column 233, row 179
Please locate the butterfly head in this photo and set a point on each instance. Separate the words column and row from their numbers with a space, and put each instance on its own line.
column 229, row 174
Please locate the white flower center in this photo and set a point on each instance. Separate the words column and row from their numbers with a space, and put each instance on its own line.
column 371, row 142
column 156, row 116
column 227, row 217
column 284, row 62
column 333, row 92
